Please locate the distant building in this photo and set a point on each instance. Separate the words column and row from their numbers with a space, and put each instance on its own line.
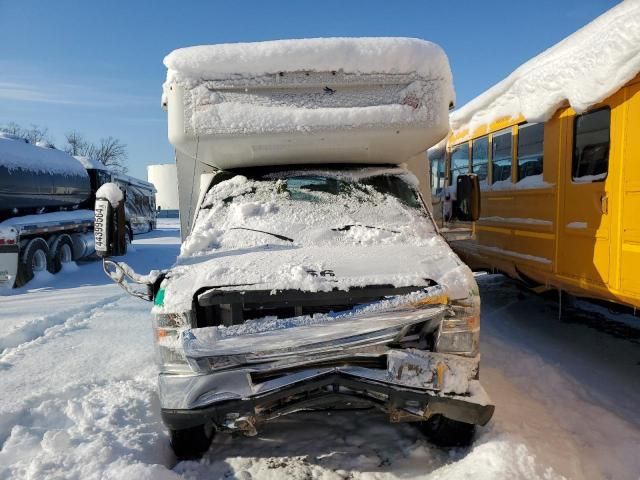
column 164, row 178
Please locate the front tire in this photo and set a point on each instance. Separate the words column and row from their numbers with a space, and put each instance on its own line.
column 445, row 432
column 191, row 443
column 34, row 258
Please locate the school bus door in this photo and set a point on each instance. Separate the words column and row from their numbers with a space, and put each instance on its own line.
column 584, row 223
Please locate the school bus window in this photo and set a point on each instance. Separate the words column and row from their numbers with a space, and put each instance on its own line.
column 459, row 161
column 530, row 149
column 480, row 157
column 501, row 164
column 436, row 159
column 591, row 146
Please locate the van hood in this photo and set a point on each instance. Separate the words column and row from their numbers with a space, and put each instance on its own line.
column 275, row 267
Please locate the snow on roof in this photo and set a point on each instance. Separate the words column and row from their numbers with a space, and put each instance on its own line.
column 352, row 55
column 583, row 69
column 90, row 163
column 18, row 154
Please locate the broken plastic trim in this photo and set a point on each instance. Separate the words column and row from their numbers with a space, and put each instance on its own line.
column 125, row 276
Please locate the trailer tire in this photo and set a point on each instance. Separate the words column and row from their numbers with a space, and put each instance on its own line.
column 61, row 252
column 34, row 258
column 191, row 443
column 445, row 432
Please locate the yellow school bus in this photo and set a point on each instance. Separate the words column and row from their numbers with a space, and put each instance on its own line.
column 560, row 198
column 560, row 202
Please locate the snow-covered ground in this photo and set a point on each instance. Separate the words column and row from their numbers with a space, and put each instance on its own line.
column 78, row 395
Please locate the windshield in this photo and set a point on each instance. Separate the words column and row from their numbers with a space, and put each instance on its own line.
column 310, row 208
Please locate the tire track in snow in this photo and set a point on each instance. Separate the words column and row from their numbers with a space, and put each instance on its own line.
column 46, row 327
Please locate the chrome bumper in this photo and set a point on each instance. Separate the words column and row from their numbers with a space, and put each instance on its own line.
column 238, row 381
column 413, row 386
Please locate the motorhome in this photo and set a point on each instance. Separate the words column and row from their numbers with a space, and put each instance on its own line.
column 311, row 273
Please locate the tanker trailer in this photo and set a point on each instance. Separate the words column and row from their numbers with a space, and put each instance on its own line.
column 41, row 226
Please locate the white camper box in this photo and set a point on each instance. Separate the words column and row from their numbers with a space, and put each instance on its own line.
column 338, row 100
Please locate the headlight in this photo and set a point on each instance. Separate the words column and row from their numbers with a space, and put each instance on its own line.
column 459, row 333
column 167, row 329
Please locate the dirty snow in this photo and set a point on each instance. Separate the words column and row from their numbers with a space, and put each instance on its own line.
column 78, row 397
column 17, row 154
column 583, row 69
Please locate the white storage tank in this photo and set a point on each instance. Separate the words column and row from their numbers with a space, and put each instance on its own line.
column 164, row 178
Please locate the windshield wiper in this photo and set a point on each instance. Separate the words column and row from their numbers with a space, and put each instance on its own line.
column 281, row 237
column 349, row 227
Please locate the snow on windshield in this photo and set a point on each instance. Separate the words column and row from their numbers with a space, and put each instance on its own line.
column 583, row 69
column 308, row 208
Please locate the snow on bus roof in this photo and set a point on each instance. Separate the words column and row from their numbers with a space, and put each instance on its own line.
column 583, row 69
column 18, row 154
column 391, row 55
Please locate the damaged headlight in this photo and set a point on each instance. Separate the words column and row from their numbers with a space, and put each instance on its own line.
column 167, row 329
column 459, row 332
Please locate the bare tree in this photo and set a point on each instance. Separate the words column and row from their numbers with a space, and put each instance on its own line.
column 37, row 134
column 112, row 153
column 12, row 128
column 34, row 134
column 77, row 145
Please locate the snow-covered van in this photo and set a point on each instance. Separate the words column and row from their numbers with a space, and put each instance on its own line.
column 311, row 274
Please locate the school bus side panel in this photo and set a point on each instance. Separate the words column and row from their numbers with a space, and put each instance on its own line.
column 630, row 245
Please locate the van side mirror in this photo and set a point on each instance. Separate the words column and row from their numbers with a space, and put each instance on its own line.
column 468, row 197
column 109, row 228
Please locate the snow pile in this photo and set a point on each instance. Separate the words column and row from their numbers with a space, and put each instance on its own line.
column 17, row 154
column 111, row 192
column 583, row 69
column 360, row 232
column 351, row 55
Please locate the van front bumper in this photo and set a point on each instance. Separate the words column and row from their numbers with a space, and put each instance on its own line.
column 412, row 386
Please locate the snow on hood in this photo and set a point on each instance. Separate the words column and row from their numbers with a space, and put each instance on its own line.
column 352, row 55
column 18, row 154
column 583, row 69
column 363, row 234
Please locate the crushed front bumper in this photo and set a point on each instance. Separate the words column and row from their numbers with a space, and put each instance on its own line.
column 407, row 390
column 364, row 360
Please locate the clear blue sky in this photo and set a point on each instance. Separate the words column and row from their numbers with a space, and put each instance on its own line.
column 96, row 66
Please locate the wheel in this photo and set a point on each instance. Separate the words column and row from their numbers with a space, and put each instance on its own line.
column 445, row 432
column 34, row 258
column 61, row 252
column 191, row 443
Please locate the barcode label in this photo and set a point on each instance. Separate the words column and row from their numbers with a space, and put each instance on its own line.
column 100, row 230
